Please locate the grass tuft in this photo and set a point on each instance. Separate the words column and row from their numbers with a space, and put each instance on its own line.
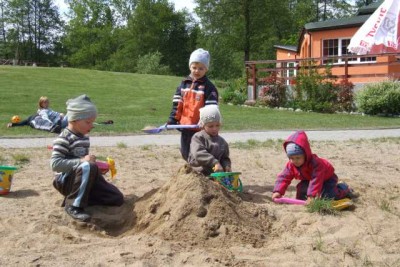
column 20, row 159
column 385, row 205
column 322, row 206
column 319, row 243
column 122, row 145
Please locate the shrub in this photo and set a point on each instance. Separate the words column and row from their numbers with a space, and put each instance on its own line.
column 345, row 96
column 312, row 105
column 150, row 64
column 319, row 91
column 379, row 98
column 273, row 93
column 235, row 92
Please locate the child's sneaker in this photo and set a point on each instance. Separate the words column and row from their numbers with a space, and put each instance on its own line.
column 77, row 213
column 351, row 194
column 346, row 191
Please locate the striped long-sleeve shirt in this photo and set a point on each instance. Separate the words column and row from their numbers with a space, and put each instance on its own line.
column 68, row 149
column 190, row 96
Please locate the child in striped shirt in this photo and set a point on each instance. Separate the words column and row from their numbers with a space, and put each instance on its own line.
column 78, row 178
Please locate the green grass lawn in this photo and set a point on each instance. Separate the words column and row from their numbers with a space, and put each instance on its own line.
column 133, row 101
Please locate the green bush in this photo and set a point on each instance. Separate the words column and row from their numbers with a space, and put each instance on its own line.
column 320, row 92
column 312, row 105
column 235, row 92
column 150, row 64
column 379, row 98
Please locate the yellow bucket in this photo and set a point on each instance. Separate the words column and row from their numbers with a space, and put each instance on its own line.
column 6, row 177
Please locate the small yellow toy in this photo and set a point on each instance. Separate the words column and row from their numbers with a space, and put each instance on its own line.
column 111, row 164
column 15, row 119
column 106, row 166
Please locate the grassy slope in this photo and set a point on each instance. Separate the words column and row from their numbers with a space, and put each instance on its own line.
column 134, row 101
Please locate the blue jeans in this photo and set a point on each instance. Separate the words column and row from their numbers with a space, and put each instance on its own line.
column 330, row 189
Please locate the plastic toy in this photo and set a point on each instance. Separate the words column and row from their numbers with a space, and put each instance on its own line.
column 229, row 180
column 113, row 170
column 336, row 204
column 15, row 119
column 286, row 200
column 106, row 166
column 155, row 130
column 6, row 177
column 109, row 122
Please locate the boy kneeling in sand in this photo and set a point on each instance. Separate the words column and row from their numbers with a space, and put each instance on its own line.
column 209, row 152
column 317, row 175
column 79, row 179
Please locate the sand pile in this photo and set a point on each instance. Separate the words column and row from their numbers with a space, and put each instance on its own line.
column 191, row 208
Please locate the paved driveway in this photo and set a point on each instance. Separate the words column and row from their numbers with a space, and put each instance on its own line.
column 173, row 138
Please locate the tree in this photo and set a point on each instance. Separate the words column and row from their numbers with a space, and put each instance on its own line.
column 156, row 27
column 89, row 39
column 240, row 30
column 30, row 29
column 361, row 3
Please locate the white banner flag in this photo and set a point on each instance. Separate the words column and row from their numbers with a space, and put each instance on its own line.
column 381, row 28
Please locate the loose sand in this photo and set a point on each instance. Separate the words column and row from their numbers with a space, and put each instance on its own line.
column 172, row 217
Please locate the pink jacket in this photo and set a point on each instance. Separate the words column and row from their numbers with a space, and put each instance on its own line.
column 316, row 170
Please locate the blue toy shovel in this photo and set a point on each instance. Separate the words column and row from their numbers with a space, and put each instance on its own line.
column 152, row 130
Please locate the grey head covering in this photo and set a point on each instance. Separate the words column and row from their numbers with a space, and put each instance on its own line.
column 80, row 108
column 209, row 113
column 200, row 56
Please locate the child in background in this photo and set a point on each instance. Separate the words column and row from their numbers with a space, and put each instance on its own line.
column 209, row 152
column 79, row 179
column 194, row 92
column 316, row 175
column 47, row 114
column 45, row 118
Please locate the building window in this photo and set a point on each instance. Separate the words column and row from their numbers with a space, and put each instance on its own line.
column 331, row 49
column 290, row 72
column 338, row 47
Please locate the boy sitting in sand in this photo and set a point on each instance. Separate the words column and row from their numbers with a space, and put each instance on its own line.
column 317, row 175
column 209, row 152
column 79, row 179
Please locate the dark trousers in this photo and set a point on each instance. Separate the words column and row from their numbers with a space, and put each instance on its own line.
column 330, row 189
column 186, row 138
column 87, row 187
column 25, row 122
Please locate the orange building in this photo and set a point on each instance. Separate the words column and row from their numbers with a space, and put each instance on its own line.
column 325, row 43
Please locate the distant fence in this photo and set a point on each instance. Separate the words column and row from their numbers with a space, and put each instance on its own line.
column 14, row 62
column 357, row 69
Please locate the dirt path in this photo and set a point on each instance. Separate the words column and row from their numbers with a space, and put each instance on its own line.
column 174, row 139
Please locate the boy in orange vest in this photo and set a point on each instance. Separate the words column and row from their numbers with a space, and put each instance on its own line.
column 194, row 92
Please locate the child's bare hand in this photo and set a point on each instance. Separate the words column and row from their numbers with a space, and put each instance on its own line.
column 218, row 168
column 89, row 158
column 276, row 195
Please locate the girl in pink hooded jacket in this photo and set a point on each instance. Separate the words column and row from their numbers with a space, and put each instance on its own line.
column 317, row 175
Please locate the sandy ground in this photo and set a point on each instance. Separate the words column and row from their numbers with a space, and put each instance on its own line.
column 174, row 218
